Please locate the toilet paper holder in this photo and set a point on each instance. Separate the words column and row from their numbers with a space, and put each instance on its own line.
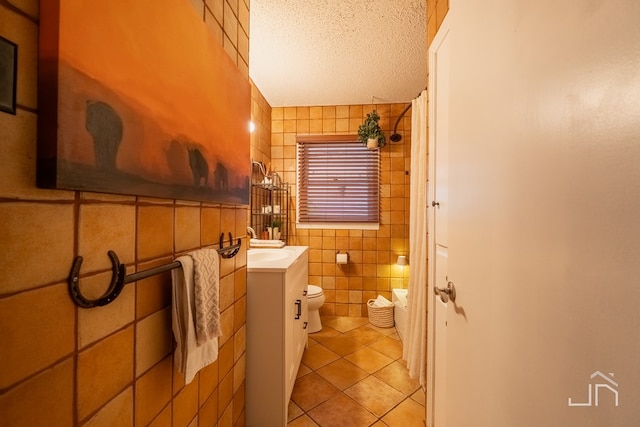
column 342, row 258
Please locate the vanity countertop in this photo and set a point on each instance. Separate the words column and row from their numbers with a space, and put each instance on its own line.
column 273, row 259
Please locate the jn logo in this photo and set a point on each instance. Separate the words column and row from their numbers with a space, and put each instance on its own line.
column 606, row 383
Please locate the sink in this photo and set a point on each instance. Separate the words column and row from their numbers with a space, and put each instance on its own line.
column 267, row 255
column 273, row 259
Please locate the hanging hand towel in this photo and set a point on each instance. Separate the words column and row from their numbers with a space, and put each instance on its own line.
column 189, row 356
column 205, row 266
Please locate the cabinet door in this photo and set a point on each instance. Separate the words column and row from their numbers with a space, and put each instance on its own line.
column 296, row 319
column 302, row 327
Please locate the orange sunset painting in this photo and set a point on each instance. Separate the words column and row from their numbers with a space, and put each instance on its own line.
column 137, row 97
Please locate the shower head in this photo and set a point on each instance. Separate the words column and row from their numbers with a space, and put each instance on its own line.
column 395, row 136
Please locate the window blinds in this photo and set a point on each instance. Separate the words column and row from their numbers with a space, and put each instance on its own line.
column 338, row 180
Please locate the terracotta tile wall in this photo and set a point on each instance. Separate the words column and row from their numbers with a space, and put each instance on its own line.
column 436, row 11
column 61, row 365
column 261, row 136
column 371, row 270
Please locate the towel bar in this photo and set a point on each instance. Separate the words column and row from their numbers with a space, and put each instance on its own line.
column 119, row 278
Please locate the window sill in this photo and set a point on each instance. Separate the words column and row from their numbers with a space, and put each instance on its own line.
column 337, row 226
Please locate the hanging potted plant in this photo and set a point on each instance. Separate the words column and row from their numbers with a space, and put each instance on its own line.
column 370, row 133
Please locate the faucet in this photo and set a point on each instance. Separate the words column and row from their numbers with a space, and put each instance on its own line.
column 252, row 233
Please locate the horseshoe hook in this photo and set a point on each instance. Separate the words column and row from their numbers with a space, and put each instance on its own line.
column 115, row 287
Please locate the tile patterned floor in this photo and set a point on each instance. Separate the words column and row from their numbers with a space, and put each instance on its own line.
column 352, row 375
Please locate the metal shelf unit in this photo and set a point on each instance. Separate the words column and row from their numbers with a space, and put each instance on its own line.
column 269, row 201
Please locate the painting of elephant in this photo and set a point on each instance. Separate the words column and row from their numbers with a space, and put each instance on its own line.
column 123, row 109
column 105, row 126
column 199, row 167
column 221, row 177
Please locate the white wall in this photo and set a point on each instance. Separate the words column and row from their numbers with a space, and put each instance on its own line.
column 544, row 211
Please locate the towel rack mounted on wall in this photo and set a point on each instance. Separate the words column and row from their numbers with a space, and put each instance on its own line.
column 119, row 277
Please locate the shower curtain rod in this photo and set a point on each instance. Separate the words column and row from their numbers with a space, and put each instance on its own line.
column 395, row 136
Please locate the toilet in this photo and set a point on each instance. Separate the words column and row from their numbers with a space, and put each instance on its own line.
column 315, row 299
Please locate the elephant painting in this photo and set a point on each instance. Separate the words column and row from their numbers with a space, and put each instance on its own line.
column 199, row 167
column 105, row 126
column 221, row 177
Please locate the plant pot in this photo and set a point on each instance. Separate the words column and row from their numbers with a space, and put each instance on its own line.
column 276, row 233
column 372, row 143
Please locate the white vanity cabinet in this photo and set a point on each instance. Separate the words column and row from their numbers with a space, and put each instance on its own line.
column 276, row 335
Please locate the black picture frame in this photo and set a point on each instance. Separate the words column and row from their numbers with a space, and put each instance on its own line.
column 8, row 75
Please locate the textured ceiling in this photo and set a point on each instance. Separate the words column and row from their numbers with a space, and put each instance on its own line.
column 338, row 52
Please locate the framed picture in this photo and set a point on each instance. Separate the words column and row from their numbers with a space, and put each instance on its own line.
column 8, row 75
column 140, row 98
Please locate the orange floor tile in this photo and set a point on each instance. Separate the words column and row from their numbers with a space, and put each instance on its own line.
column 352, row 374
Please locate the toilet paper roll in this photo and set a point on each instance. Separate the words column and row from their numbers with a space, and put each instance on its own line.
column 342, row 258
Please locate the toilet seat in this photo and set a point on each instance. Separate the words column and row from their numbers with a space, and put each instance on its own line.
column 314, row 291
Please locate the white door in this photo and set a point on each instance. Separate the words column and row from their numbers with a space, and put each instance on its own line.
column 438, row 227
column 543, row 213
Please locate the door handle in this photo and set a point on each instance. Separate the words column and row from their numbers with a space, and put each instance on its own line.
column 299, row 307
column 446, row 294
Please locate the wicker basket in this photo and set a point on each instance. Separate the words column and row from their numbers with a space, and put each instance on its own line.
column 382, row 317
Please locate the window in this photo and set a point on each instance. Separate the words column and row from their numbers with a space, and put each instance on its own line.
column 338, row 182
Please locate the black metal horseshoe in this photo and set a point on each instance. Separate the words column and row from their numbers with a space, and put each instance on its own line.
column 233, row 249
column 116, row 286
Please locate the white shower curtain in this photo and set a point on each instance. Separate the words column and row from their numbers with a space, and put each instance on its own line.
column 415, row 345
